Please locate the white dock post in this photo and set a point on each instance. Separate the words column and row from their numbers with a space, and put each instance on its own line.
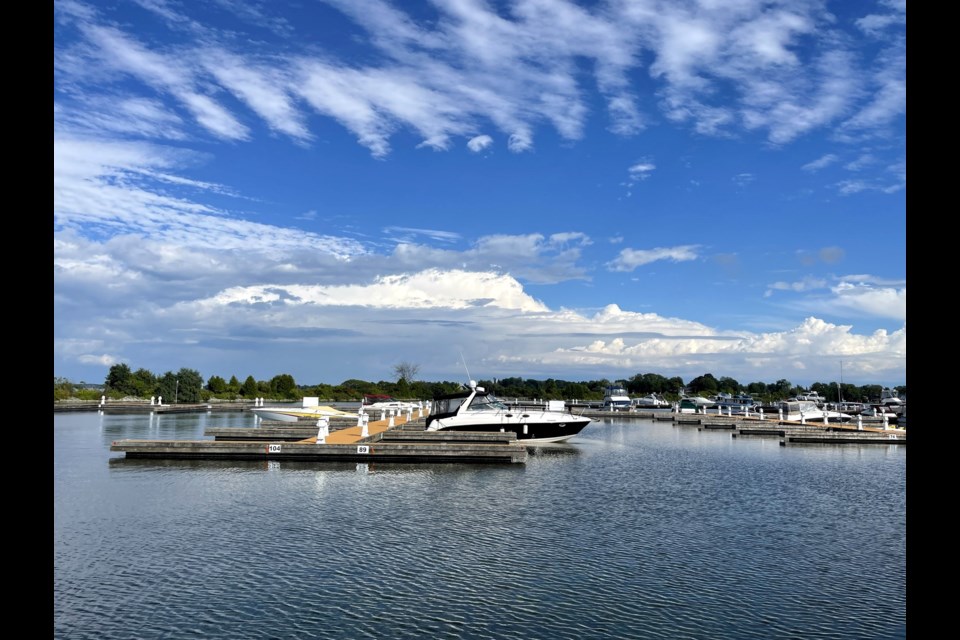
column 390, row 420
column 360, row 417
column 364, row 430
column 780, row 414
column 383, row 414
column 322, row 430
column 859, row 422
column 826, row 419
column 803, row 419
column 153, row 399
column 886, row 421
column 160, row 401
column 103, row 400
column 761, row 413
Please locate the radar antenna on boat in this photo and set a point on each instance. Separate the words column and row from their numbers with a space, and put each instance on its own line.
column 470, row 381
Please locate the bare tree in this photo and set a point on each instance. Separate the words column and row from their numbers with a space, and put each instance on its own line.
column 406, row 371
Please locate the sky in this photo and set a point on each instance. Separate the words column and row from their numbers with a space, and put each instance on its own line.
column 532, row 188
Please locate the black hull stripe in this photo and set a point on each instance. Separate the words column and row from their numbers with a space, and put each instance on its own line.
column 534, row 431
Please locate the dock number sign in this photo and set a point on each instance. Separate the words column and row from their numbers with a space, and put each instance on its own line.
column 273, row 448
column 363, row 449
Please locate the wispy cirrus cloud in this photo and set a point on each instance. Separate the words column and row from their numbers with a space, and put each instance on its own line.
column 516, row 68
column 630, row 259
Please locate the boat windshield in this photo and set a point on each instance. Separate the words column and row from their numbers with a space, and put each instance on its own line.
column 449, row 405
column 487, row 402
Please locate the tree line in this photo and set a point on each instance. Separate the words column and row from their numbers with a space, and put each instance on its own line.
column 188, row 386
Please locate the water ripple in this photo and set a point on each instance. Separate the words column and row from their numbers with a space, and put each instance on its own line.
column 638, row 532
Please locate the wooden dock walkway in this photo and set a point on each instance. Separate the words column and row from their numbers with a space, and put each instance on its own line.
column 790, row 432
column 383, row 442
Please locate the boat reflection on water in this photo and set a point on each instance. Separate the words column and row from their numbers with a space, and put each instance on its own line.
column 553, row 450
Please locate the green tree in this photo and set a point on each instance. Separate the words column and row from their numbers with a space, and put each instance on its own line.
column 705, row 384
column 120, row 380
column 355, row 389
column 728, row 385
column 249, row 389
column 144, row 382
column 234, row 385
column 62, row 389
column 676, row 383
column 781, row 389
column 577, row 391
column 167, row 387
column 188, row 386
column 217, row 385
column 284, row 386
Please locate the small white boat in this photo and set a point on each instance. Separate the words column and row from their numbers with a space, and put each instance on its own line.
column 477, row 410
column 811, row 396
column 379, row 401
column 651, row 401
column 694, row 404
column 310, row 407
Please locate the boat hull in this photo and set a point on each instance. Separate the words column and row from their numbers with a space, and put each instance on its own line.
column 294, row 415
column 529, row 432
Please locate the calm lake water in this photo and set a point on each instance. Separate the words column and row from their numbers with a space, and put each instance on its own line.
column 634, row 529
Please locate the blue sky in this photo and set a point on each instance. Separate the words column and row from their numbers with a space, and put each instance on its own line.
column 553, row 189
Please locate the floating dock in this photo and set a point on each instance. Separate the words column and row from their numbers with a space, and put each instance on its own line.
column 380, row 441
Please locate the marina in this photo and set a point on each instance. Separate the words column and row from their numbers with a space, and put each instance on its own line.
column 405, row 438
column 673, row 530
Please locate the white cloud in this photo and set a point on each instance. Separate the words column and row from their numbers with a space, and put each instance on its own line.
column 516, row 68
column 822, row 162
column 266, row 91
column 479, row 143
column 630, row 259
column 152, row 264
column 425, row 290
column 640, row 171
column 113, row 185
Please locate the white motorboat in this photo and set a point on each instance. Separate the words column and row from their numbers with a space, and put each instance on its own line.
column 615, row 398
column 879, row 411
column 651, row 401
column 310, row 407
column 890, row 401
column 808, row 411
column 810, row 396
column 739, row 403
column 379, row 401
column 476, row 410
column 694, row 404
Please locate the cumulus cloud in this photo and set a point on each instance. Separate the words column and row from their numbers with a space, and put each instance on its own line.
column 479, row 143
column 156, row 262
